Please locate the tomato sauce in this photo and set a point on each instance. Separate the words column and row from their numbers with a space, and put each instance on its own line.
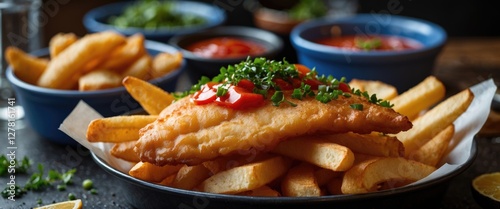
column 226, row 47
column 377, row 43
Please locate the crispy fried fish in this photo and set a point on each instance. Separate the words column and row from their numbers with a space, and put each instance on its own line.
column 189, row 133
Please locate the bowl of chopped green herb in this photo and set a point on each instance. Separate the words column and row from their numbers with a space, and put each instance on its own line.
column 394, row 49
column 157, row 20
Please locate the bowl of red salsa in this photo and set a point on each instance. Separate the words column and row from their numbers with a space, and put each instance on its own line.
column 394, row 49
column 208, row 51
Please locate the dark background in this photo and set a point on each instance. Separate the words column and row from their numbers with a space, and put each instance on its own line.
column 459, row 18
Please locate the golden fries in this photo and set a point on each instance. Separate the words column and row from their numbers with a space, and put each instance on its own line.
column 117, row 128
column 435, row 120
column 318, row 152
column 99, row 79
column 419, row 98
column 25, row 66
column 246, row 177
column 394, row 171
column 125, row 54
column 382, row 90
column 148, row 95
column 61, row 41
column 433, row 151
column 300, row 182
column 149, row 172
column 165, row 63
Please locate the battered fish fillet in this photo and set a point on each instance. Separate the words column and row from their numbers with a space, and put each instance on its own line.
column 188, row 133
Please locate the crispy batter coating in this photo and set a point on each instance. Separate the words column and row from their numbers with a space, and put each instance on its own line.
column 189, row 133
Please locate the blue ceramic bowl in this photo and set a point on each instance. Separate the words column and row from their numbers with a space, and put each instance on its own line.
column 96, row 19
column 45, row 109
column 403, row 69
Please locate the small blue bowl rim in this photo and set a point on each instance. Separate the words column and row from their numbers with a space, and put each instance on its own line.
column 301, row 43
column 149, row 45
column 91, row 19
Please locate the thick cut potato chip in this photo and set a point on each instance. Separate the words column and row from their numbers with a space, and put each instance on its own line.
column 247, row 177
column 382, row 90
column 117, row 128
column 61, row 41
column 125, row 55
column 300, row 182
column 383, row 173
column 98, row 80
column 433, row 151
column 435, row 120
column 75, row 57
column 139, row 68
column 152, row 98
column 370, row 144
column 26, row 67
column 319, row 152
column 420, row 97
column 165, row 63
column 190, row 176
column 153, row 173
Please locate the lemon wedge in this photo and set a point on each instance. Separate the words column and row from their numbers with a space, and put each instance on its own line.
column 71, row 204
column 487, row 190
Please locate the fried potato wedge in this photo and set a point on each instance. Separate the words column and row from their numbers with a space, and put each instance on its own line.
column 139, row 68
column 117, row 128
column 164, row 63
column 190, row 176
column 420, row 97
column 25, row 66
column 382, row 90
column 435, row 120
column 433, row 151
column 152, row 98
column 59, row 42
column 153, row 173
column 75, row 57
column 382, row 173
column 319, row 152
column 125, row 151
column 125, row 54
column 300, row 182
column 247, row 177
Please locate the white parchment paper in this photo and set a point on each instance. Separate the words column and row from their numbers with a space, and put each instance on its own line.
column 466, row 127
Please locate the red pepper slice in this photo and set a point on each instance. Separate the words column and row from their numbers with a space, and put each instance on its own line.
column 205, row 95
column 240, row 98
column 344, row 87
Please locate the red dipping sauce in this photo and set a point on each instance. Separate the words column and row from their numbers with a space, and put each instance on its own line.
column 376, row 43
column 226, row 47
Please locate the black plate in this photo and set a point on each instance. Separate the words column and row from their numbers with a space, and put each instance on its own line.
column 142, row 194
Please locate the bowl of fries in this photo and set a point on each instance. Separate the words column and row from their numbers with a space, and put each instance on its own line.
column 157, row 20
column 394, row 49
column 50, row 82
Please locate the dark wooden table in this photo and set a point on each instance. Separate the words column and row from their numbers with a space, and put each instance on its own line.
column 463, row 62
